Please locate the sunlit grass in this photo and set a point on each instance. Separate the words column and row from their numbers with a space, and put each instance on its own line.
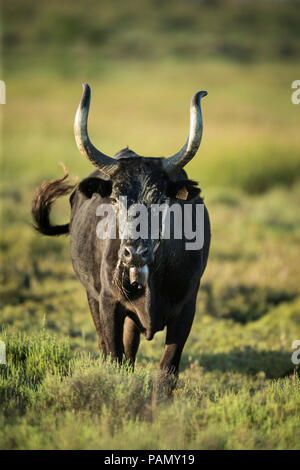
column 208, row 411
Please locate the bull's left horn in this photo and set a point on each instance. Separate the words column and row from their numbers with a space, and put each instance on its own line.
column 103, row 162
column 189, row 150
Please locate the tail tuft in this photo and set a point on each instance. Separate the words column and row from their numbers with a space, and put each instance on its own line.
column 42, row 202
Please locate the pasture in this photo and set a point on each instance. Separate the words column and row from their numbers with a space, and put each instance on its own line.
column 238, row 388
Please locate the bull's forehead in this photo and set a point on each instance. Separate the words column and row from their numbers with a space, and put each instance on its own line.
column 140, row 179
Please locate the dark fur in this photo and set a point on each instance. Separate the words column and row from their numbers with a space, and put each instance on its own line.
column 121, row 312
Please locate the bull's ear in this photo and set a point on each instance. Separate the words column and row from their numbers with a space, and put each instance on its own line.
column 89, row 186
column 184, row 190
column 71, row 199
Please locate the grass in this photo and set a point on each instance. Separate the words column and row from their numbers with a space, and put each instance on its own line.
column 208, row 411
column 238, row 388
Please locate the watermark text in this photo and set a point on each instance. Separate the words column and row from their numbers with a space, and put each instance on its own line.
column 296, row 94
column 2, row 92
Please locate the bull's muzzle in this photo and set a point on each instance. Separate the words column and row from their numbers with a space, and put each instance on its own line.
column 139, row 276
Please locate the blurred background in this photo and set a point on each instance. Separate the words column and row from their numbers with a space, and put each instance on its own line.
column 144, row 59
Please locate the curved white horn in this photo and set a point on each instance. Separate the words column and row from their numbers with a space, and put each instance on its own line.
column 103, row 162
column 189, row 150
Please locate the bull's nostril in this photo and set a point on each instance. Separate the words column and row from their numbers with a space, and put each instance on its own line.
column 136, row 256
column 144, row 252
column 127, row 253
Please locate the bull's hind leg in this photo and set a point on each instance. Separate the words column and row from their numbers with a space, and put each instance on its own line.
column 94, row 307
column 131, row 340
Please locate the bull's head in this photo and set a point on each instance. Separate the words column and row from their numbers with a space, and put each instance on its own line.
column 141, row 180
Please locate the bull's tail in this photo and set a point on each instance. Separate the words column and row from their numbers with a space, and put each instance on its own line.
column 42, row 202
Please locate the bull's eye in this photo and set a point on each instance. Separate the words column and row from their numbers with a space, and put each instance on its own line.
column 113, row 200
column 122, row 188
column 156, row 195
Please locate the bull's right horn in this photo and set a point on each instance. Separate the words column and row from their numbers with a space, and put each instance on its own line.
column 103, row 162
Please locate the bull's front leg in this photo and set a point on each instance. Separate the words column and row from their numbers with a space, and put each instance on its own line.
column 112, row 323
column 131, row 340
column 94, row 308
column 177, row 333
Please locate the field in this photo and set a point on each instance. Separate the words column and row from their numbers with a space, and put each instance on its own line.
column 238, row 388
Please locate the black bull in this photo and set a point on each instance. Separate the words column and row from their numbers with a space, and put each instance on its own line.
column 121, row 308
